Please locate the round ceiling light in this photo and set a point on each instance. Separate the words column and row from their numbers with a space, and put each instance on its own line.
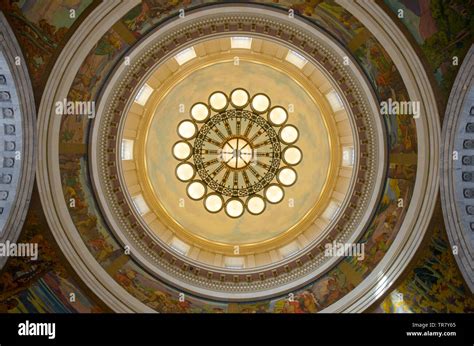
column 218, row 101
column 244, row 150
column 286, row 176
column 260, row 103
column 213, row 203
column 196, row 190
column 237, row 153
column 255, row 205
column 289, row 134
column 277, row 116
column 292, row 156
column 234, row 207
column 200, row 112
column 187, row 129
column 274, row 193
column 185, row 171
column 239, row 98
column 182, row 150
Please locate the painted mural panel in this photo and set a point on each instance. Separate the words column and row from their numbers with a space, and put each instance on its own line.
column 45, row 286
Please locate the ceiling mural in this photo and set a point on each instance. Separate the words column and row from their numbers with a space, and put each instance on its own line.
column 378, row 237
column 434, row 24
column 199, row 246
column 42, row 30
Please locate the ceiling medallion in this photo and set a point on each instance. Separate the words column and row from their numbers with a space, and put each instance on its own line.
column 237, row 153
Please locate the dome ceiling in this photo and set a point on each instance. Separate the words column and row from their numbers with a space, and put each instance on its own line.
column 208, row 250
column 17, row 133
column 455, row 166
column 314, row 143
column 351, row 159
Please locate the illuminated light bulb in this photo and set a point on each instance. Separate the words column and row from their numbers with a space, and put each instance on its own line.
column 255, row 205
column 218, row 101
column 182, row 150
column 292, row 155
column 274, row 193
column 187, row 129
column 200, row 112
column 213, row 203
column 289, row 134
column 239, row 98
column 196, row 190
column 260, row 103
column 287, row 176
column 234, row 208
column 185, row 171
column 277, row 116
